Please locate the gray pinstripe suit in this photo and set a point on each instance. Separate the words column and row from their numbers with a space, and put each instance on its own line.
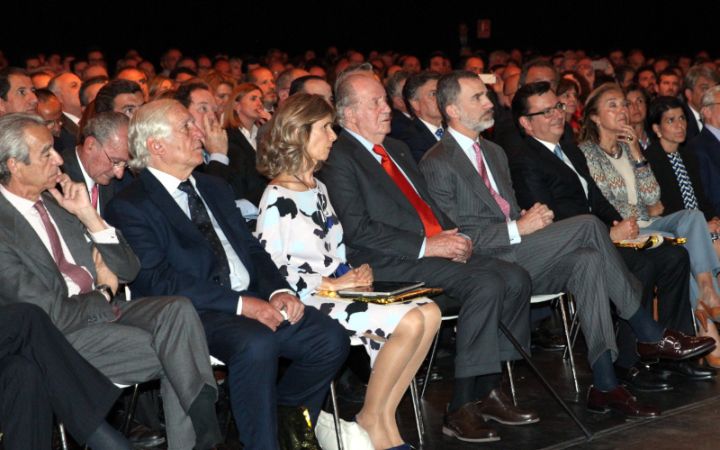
column 573, row 255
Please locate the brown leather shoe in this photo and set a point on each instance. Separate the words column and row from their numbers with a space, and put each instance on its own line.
column 619, row 400
column 467, row 424
column 675, row 346
column 498, row 407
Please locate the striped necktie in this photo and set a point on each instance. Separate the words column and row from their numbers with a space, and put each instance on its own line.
column 686, row 188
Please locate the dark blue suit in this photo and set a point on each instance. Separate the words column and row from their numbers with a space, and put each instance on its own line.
column 706, row 148
column 176, row 258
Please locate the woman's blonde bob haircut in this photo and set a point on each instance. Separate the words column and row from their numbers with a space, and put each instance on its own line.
column 284, row 147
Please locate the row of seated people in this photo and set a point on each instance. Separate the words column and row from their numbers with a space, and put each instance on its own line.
column 191, row 242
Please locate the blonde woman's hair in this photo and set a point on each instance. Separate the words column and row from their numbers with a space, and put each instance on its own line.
column 231, row 118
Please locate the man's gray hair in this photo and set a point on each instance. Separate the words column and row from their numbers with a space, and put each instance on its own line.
column 695, row 72
column 13, row 143
column 345, row 95
column 103, row 126
column 708, row 97
column 149, row 121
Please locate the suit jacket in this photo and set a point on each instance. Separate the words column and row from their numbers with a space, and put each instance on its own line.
column 669, row 187
column 539, row 176
column 175, row 257
column 240, row 173
column 706, row 149
column 399, row 124
column 71, row 166
column 458, row 187
column 380, row 225
column 692, row 126
column 68, row 136
column 419, row 138
column 29, row 274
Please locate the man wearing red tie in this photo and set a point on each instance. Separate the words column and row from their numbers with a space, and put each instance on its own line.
column 392, row 223
column 100, row 158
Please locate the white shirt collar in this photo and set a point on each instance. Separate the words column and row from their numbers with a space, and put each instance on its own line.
column 169, row 182
column 367, row 144
column 465, row 142
column 74, row 118
column 550, row 146
column 89, row 182
column 433, row 129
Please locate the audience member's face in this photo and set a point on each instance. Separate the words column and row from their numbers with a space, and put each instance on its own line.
column 105, row 161
column 96, row 57
column 236, row 69
column 51, row 111
column 41, row 80
column 128, row 103
column 669, row 85
column 92, row 91
column 137, row 76
column 437, row 64
column 475, row 64
column 20, row 97
column 637, row 107
column 425, row 102
column 539, row 73
column 660, row 65
column 473, row 109
column 320, row 140
column 549, row 128
column 627, row 79
column 202, row 103
column 370, row 112
column 204, row 65
column 711, row 114
column 148, row 68
column 222, row 66
column 222, row 95
column 570, row 98
column 636, row 59
column 673, row 127
column 183, row 147
column 617, row 58
column 695, row 94
column 648, row 81
column 411, row 64
column 249, row 107
column 171, row 59
column 42, row 172
column 318, row 72
column 188, row 63
column 94, row 71
column 612, row 113
column 266, row 82
column 69, row 92
column 321, row 88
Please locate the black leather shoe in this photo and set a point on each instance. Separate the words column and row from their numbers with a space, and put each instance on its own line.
column 640, row 378
column 675, row 346
column 544, row 340
column 142, row 436
column 620, row 401
column 685, row 369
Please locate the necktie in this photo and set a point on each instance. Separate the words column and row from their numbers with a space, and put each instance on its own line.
column 439, row 133
column 686, row 188
column 76, row 273
column 501, row 202
column 200, row 217
column 94, row 194
column 430, row 222
column 558, row 152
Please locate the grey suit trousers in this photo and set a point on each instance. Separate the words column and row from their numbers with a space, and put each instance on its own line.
column 156, row 337
column 575, row 255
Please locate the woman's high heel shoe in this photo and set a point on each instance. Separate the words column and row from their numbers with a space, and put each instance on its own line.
column 712, row 311
column 703, row 315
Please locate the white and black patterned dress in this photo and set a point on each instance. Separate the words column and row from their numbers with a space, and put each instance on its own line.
column 302, row 234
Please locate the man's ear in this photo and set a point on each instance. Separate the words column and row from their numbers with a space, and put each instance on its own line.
column 3, row 108
column 155, row 146
column 452, row 111
column 525, row 123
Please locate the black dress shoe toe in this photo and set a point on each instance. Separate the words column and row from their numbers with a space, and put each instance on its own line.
column 144, row 437
column 640, row 378
column 687, row 370
column 545, row 340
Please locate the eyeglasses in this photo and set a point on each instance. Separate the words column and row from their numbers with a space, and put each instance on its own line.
column 116, row 163
column 548, row 112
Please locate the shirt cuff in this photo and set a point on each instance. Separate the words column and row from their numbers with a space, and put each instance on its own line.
column 239, row 306
column 106, row 236
column 219, row 157
column 286, row 291
column 422, row 249
column 513, row 232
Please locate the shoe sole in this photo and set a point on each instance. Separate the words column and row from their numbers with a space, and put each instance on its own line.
column 644, row 389
column 505, row 422
column 450, row 432
column 698, row 352
column 607, row 410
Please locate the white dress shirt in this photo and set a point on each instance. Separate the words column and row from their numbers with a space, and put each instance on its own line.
column 433, row 129
column 27, row 209
column 466, row 144
column 250, row 135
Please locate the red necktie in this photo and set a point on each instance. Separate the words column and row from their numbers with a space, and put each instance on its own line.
column 76, row 273
column 501, row 202
column 94, row 193
column 430, row 222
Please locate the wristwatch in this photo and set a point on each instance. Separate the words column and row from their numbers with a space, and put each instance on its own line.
column 105, row 290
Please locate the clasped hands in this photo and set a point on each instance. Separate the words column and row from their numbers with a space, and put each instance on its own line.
column 269, row 313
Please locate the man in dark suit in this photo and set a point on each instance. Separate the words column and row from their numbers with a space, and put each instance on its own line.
column 566, row 187
column 100, row 159
column 391, row 222
column 470, row 179
column 697, row 81
column 59, row 254
column 192, row 241
column 17, row 93
column 400, row 118
column 426, row 128
column 66, row 86
column 706, row 146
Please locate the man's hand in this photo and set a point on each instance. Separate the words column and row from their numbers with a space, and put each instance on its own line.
column 262, row 311
column 626, row 229
column 449, row 244
column 216, row 140
column 76, row 201
column 292, row 306
column 104, row 274
column 714, row 225
column 536, row 218
column 655, row 210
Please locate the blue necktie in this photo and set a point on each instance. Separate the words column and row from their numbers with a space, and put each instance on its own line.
column 558, row 152
column 439, row 133
column 686, row 188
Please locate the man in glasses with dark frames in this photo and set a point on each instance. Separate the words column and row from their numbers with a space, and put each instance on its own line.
column 101, row 158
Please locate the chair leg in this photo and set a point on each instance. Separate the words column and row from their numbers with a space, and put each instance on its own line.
column 430, row 363
column 336, row 415
column 63, row 436
column 542, row 379
column 418, row 413
column 512, row 382
column 131, row 410
column 563, row 312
